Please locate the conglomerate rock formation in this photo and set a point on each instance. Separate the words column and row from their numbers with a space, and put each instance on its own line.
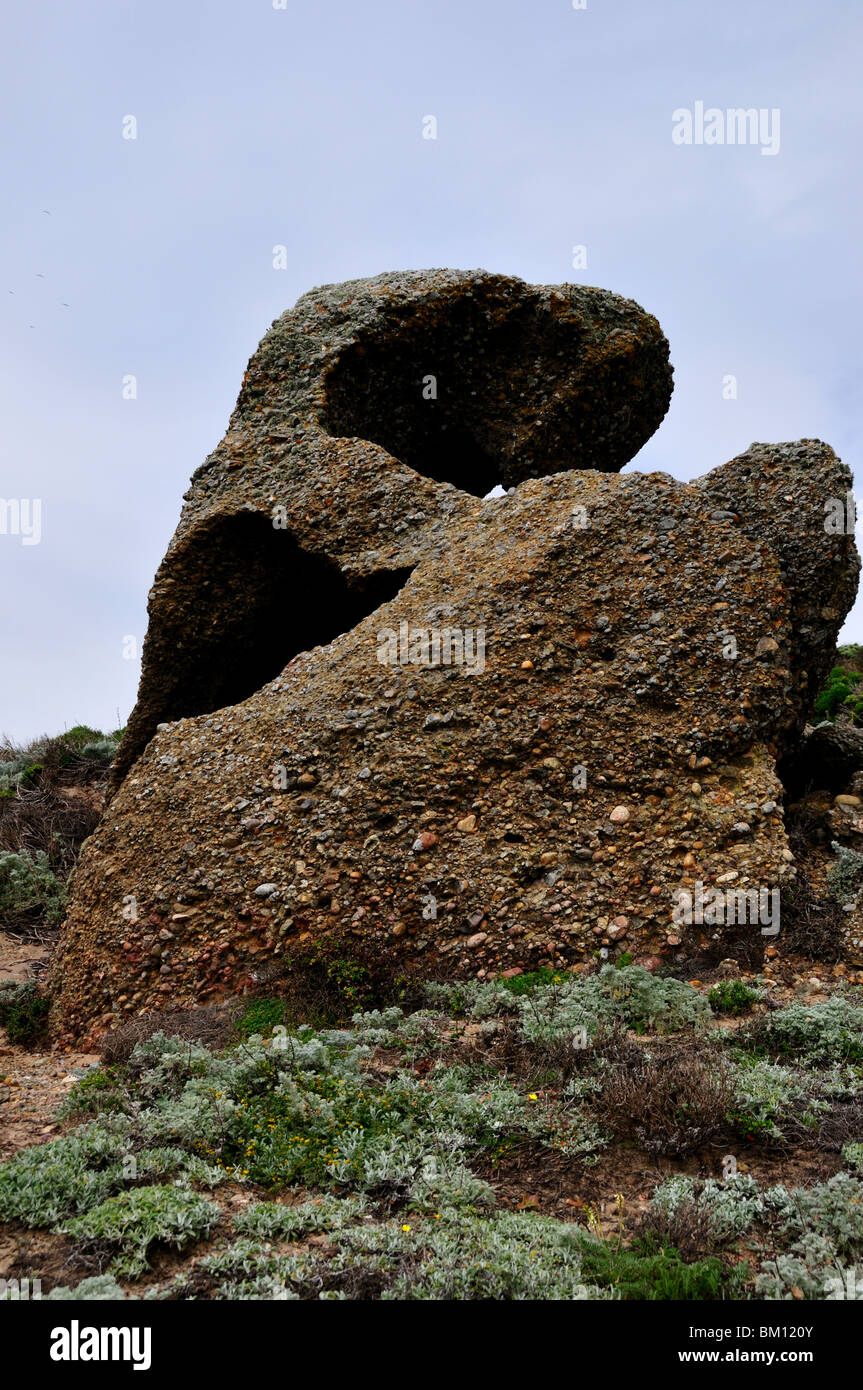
column 481, row 734
column 361, row 404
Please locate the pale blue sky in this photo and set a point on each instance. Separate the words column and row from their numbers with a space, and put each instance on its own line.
column 303, row 126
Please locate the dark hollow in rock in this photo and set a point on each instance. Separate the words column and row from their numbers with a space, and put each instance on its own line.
column 487, row 388
column 825, row 760
column 251, row 599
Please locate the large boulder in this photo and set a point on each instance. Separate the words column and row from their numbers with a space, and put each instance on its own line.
column 481, row 734
column 368, row 416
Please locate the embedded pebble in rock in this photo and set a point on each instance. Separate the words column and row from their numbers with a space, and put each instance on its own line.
column 582, row 679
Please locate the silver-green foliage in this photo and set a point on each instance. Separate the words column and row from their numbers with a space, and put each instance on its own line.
column 277, row 1221
column 820, row 1033
column 515, row 1255
column 819, row 1230
column 630, row 996
column 844, row 874
column 29, row 884
column 133, row 1221
column 98, row 1288
column 42, row 1185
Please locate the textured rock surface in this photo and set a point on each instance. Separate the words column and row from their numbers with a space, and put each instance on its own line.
column 368, row 412
column 823, row 780
column 647, row 646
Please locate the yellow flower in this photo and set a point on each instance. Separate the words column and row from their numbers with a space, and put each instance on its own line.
column 533, row 1096
column 405, row 1228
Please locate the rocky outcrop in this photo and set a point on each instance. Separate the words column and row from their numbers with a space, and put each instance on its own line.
column 759, row 491
column 482, row 734
column 369, row 415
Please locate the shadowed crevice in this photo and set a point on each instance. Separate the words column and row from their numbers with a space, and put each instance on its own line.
column 248, row 600
column 464, row 389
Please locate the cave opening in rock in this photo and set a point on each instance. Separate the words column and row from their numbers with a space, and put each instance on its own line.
column 461, row 392
column 246, row 599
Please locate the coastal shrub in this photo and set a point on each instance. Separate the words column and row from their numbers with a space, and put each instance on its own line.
column 23, row 1012
column 123, row 1228
column 28, row 885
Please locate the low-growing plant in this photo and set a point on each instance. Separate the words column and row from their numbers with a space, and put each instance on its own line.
column 380, row 1140
column 42, row 1185
column 651, row 1270
column 823, row 1033
column 514, row 1255
column 670, row 1103
column 845, row 874
column 810, row 1269
column 278, row 1221
column 852, row 1157
column 250, row 1270
column 24, row 1012
column 530, row 979
column 100, row 1090
column 732, row 997
column 29, row 887
column 122, row 1228
column 96, row 1288
column 728, row 1207
column 561, row 1006
column 816, row 1233
column 765, row 1092
column 261, row 1016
